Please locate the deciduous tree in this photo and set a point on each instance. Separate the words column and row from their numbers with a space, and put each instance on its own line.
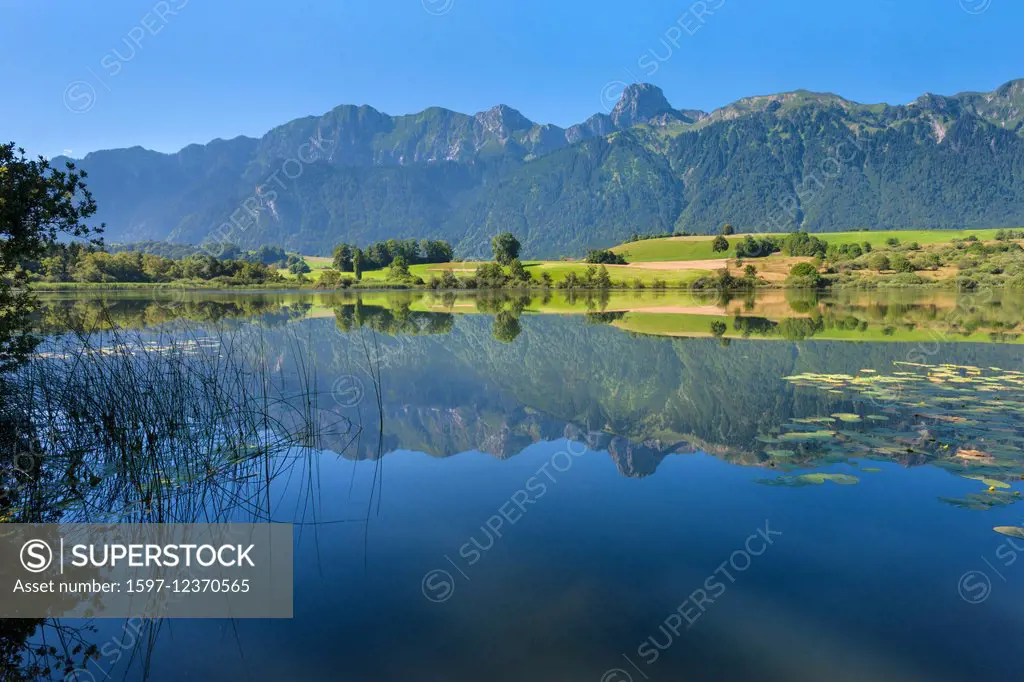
column 505, row 247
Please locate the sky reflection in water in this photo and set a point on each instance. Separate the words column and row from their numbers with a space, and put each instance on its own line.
column 403, row 571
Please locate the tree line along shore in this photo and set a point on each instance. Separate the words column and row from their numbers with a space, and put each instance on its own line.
column 965, row 260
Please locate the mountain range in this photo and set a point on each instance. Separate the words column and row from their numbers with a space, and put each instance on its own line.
column 795, row 160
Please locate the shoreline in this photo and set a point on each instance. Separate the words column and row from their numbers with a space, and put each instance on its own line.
column 869, row 285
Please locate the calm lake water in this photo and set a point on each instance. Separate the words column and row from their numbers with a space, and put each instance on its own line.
column 629, row 487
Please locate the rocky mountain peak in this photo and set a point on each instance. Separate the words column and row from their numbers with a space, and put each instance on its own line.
column 640, row 103
column 1012, row 89
column 933, row 102
column 502, row 120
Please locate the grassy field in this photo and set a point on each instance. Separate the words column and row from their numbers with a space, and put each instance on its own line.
column 682, row 325
column 317, row 264
column 699, row 248
column 644, row 256
column 557, row 269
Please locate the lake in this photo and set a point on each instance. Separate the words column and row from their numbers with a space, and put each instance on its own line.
column 619, row 487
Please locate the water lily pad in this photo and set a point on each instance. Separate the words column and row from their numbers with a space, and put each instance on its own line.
column 806, row 436
column 991, row 482
column 780, row 453
column 809, row 479
column 839, row 479
column 1012, row 531
column 982, row 501
column 813, row 420
column 847, row 417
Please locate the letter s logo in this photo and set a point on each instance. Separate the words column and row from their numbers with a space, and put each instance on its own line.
column 36, row 556
column 79, row 97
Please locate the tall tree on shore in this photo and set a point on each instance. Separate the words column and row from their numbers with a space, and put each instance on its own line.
column 38, row 205
column 357, row 263
column 343, row 258
column 399, row 267
column 505, row 247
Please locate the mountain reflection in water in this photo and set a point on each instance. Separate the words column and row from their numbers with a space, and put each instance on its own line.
column 392, row 427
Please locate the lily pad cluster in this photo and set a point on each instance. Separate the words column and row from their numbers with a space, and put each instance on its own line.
column 962, row 418
column 811, row 479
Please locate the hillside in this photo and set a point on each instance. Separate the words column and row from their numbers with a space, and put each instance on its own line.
column 797, row 160
column 699, row 248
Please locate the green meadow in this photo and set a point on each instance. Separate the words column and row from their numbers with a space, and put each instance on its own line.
column 685, row 259
column 699, row 248
column 558, row 270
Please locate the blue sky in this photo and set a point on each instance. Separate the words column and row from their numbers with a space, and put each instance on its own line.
column 97, row 74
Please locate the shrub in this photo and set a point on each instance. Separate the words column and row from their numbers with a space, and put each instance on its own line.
column 517, row 272
column 845, row 252
column 491, row 275
column 803, row 244
column 967, row 263
column 803, row 270
column 901, row 263
column 905, row 279
column 449, row 280
column 966, row 283
column 719, row 244
column 298, row 266
column 756, row 248
column 399, row 268
column 570, row 281
column 605, row 256
column 329, row 279
column 804, row 275
column 879, row 262
column 602, row 280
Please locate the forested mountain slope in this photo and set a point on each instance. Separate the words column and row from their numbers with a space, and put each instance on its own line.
column 779, row 162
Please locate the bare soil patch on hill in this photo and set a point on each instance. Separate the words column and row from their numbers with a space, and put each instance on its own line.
column 772, row 269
